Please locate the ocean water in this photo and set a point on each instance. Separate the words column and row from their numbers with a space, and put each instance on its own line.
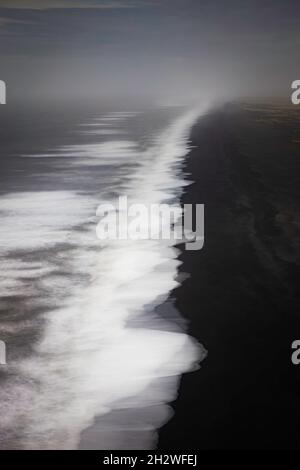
column 95, row 346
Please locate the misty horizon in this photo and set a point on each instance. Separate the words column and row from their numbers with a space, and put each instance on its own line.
column 171, row 52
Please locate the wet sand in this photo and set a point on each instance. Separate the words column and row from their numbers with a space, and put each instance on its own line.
column 241, row 296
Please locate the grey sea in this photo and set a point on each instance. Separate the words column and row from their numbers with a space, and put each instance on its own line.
column 95, row 346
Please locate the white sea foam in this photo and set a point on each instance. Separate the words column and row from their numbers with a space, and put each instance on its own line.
column 100, row 154
column 102, row 354
column 104, row 132
column 32, row 220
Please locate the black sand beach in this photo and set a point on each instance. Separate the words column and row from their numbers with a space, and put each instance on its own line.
column 241, row 297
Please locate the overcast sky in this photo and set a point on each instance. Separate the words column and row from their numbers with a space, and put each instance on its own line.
column 169, row 50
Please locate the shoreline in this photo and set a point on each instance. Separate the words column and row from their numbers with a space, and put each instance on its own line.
column 240, row 298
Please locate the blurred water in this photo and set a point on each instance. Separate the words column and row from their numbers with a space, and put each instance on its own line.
column 91, row 364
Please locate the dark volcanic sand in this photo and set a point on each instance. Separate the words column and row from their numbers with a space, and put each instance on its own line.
column 241, row 298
